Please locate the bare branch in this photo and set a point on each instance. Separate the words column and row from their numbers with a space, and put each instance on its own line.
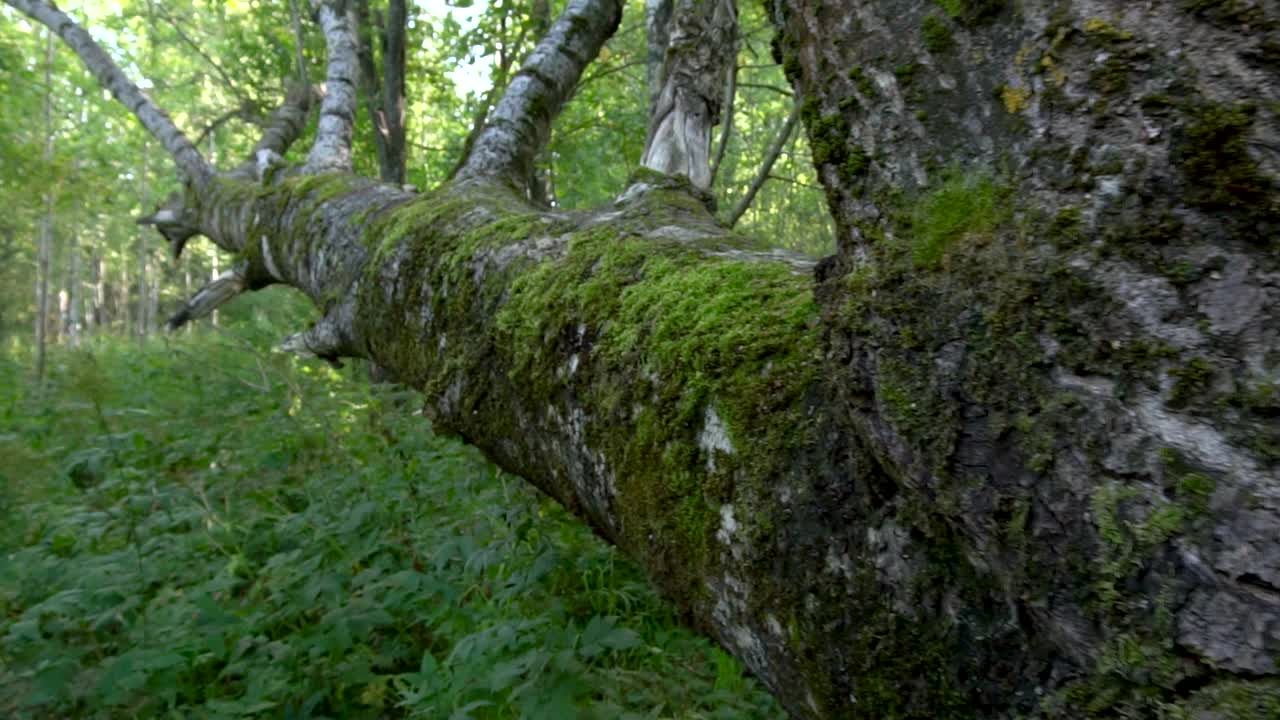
column 245, row 111
column 773, row 88
column 173, row 23
column 332, row 148
column 605, row 73
column 212, row 296
column 286, row 123
column 521, row 124
column 766, row 166
column 111, row 77
column 726, row 127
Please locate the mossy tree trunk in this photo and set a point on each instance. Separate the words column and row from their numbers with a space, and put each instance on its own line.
column 1017, row 455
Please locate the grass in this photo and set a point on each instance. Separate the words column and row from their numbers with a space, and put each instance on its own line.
column 199, row 529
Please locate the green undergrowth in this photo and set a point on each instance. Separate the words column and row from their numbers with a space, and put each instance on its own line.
column 196, row 529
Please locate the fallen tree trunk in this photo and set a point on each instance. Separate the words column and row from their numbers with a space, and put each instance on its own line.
column 1015, row 457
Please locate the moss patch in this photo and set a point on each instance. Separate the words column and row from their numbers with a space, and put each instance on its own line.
column 936, row 35
column 1215, row 157
column 965, row 204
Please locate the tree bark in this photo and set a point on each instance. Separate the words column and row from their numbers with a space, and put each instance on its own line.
column 1017, row 454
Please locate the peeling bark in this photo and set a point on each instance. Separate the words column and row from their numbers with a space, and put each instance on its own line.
column 687, row 91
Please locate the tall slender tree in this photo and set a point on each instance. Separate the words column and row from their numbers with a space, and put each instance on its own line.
column 46, row 221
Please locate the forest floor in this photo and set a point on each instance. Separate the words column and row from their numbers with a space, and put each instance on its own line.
column 198, row 527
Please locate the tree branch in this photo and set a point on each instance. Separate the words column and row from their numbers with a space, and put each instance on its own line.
column 726, row 127
column 111, row 77
column 774, row 88
column 499, row 86
column 244, row 111
column 770, row 157
column 226, row 78
column 521, row 124
column 287, row 123
column 212, row 296
column 332, row 148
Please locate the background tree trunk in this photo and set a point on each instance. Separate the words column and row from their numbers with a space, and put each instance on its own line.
column 75, row 299
column 143, row 321
column 45, row 250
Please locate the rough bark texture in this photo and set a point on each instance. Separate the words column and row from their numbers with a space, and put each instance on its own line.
column 1052, row 319
column 1017, row 457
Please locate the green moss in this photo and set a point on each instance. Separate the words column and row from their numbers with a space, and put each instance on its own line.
column 736, row 336
column 971, row 11
column 1239, row 12
column 855, row 163
column 1130, row 532
column 1215, row 157
column 936, row 35
column 863, row 82
column 1112, row 76
column 829, row 135
column 1183, row 272
column 906, row 73
column 1190, row 381
column 965, row 203
column 1261, row 399
column 829, row 142
column 1067, row 228
column 1100, row 29
column 1014, row 99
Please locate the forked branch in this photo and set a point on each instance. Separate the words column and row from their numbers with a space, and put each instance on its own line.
column 111, row 77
